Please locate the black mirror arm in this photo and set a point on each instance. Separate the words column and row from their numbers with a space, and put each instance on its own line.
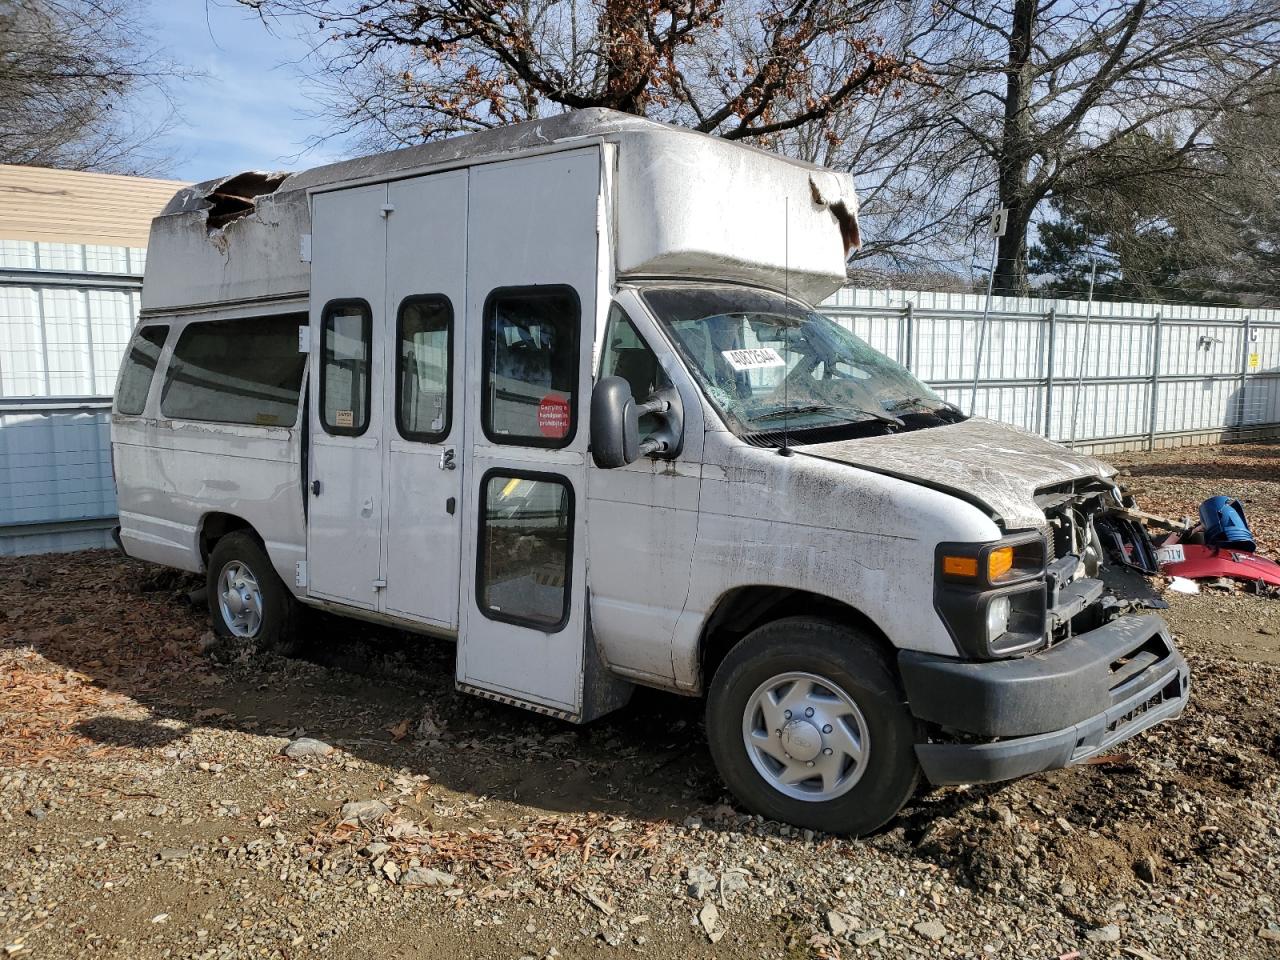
column 652, row 405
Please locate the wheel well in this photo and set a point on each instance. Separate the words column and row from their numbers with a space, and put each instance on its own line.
column 215, row 526
column 743, row 609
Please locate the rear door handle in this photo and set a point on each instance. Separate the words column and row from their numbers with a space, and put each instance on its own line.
column 315, row 488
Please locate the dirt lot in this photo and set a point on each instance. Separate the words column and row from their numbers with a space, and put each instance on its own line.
column 146, row 809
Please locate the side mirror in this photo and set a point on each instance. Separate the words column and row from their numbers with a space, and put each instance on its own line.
column 615, row 424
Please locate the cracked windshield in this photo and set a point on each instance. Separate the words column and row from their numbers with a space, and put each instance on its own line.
column 766, row 361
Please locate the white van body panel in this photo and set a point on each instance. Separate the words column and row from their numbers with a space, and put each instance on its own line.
column 642, row 525
column 862, row 539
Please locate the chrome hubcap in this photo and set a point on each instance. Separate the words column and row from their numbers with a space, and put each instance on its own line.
column 239, row 599
column 805, row 736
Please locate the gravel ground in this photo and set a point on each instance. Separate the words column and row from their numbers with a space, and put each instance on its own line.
column 148, row 807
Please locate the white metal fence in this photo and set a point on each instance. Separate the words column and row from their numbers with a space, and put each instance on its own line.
column 1130, row 375
column 66, row 312
column 1150, row 375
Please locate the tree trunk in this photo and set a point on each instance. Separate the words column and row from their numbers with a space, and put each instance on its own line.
column 629, row 57
column 1017, row 149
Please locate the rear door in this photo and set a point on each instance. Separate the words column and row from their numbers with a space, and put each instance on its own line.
column 533, row 262
column 426, row 303
column 344, row 521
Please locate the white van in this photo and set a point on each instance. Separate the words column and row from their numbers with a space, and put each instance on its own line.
column 559, row 391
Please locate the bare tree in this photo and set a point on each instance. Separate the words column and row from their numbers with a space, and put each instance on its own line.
column 1037, row 99
column 403, row 71
column 70, row 73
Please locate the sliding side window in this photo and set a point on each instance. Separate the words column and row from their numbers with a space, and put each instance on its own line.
column 236, row 371
column 139, row 368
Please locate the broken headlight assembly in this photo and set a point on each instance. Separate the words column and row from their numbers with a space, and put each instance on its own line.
column 992, row 596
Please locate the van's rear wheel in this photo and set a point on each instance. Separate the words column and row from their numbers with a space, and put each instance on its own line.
column 806, row 725
column 247, row 600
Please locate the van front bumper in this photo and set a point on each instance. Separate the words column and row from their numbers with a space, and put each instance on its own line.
column 1007, row 718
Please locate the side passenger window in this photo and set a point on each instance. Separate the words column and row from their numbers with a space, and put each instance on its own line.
column 423, row 363
column 139, row 368
column 531, row 366
column 626, row 355
column 346, row 333
column 236, row 371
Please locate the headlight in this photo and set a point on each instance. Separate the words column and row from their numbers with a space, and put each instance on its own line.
column 992, row 596
column 998, row 618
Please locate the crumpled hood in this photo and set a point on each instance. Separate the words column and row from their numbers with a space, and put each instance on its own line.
column 994, row 464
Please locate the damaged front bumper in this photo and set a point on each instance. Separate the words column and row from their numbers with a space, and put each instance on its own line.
column 1009, row 718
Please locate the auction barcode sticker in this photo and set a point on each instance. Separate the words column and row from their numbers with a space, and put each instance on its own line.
column 759, row 358
column 1171, row 554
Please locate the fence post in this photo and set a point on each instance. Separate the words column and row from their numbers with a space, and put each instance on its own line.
column 1048, row 377
column 908, row 353
column 1244, row 371
column 1157, row 329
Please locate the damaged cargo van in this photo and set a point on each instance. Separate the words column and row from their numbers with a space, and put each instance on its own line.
column 559, row 392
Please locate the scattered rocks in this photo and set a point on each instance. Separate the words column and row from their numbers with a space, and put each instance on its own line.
column 930, row 929
column 305, row 748
column 702, row 882
column 1108, row 934
column 426, row 877
column 364, row 811
column 837, row 923
column 865, row 938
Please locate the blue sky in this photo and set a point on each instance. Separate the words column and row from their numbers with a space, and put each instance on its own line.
column 249, row 109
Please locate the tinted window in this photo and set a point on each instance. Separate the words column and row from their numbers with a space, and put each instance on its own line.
column 525, row 538
column 626, row 355
column 346, row 335
column 138, row 369
column 236, row 371
column 423, row 362
column 531, row 366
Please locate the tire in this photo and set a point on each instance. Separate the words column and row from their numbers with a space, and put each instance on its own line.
column 269, row 619
column 871, row 770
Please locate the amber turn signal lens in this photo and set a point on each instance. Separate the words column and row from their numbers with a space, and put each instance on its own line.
column 961, row 566
column 999, row 562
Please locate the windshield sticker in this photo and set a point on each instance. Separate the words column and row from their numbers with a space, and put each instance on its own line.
column 759, row 358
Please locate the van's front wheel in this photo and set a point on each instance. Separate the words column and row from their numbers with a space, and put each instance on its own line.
column 247, row 600
column 806, row 725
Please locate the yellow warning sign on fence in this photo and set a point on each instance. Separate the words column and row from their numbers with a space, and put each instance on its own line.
column 1254, row 361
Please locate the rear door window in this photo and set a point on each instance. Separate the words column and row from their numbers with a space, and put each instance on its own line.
column 236, row 371
column 139, row 369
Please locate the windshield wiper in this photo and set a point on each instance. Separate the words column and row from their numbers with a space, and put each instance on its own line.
column 794, row 411
column 921, row 401
column 827, row 408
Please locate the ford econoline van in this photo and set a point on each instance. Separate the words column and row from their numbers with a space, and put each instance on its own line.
column 559, row 392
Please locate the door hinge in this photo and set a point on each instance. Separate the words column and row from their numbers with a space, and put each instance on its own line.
column 300, row 573
column 387, row 210
column 304, row 339
column 304, row 249
column 379, row 584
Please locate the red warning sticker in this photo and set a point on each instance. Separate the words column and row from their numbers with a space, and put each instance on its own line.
column 553, row 416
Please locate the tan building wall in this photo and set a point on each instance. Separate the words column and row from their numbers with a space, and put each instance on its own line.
column 68, row 206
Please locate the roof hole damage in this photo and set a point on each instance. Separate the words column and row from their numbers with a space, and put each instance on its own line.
column 236, row 197
column 827, row 191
